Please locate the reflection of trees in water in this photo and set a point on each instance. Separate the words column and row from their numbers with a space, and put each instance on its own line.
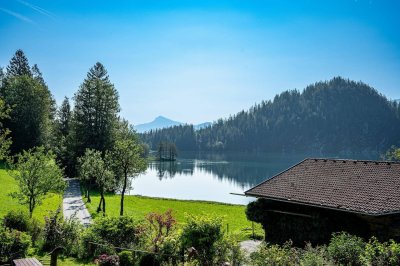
column 170, row 169
column 243, row 173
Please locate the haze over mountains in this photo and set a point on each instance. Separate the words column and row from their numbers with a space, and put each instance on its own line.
column 161, row 122
column 338, row 116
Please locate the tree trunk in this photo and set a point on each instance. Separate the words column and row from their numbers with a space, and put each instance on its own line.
column 88, row 193
column 30, row 209
column 53, row 258
column 104, row 205
column 99, row 207
column 121, row 211
column 88, row 196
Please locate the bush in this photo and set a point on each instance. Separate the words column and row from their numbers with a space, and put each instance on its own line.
column 35, row 230
column 126, row 258
column 315, row 256
column 346, row 249
column 170, row 249
column 106, row 260
column 17, row 220
column 377, row 253
column 228, row 250
column 203, row 233
column 13, row 244
column 109, row 232
column 61, row 233
column 274, row 255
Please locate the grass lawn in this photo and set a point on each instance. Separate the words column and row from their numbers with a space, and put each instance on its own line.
column 7, row 203
column 233, row 216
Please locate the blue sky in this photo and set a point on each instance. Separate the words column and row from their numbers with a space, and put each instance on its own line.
column 196, row 61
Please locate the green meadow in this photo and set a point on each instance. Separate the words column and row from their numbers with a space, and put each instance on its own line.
column 234, row 217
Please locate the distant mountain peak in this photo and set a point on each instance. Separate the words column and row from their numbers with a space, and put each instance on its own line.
column 161, row 118
column 164, row 122
column 158, row 122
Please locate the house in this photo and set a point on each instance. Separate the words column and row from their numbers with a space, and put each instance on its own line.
column 316, row 197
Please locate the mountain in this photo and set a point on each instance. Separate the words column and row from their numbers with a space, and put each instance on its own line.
column 338, row 116
column 161, row 122
column 202, row 125
column 158, row 123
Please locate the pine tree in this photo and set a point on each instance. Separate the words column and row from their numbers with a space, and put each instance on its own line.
column 37, row 74
column 96, row 112
column 64, row 117
column 19, row 65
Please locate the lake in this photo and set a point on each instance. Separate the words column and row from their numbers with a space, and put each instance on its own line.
column 212, row 177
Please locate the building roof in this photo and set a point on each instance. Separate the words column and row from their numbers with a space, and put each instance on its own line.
column 365, row 187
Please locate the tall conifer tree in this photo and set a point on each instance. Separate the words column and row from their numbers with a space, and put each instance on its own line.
column 95, row 112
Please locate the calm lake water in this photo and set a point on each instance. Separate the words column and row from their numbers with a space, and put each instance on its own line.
column 211, row 177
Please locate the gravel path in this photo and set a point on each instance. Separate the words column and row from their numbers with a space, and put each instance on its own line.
column 249, row 246
column 73, row 204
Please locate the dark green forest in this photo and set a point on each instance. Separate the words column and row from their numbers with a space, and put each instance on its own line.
column 338, row 116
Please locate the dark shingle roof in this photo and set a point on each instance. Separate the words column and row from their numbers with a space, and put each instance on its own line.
column 366, row 187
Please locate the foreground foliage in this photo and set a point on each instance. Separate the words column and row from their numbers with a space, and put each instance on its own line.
column 343, row 249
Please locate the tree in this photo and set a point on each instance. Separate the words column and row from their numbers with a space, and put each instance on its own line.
column 127, row 156
column 37, row 74
column 393, row 154
column 93, row 165
column 19, row 65
column 64, row 117
column 37, row 174
column 62, row 141
column 85, row 171
column 166, row 151
column 96, row 112
column 31, row 104
column 5, row 141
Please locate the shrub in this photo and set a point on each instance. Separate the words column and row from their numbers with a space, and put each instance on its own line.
column 377, row 253
column 61, row 233
column 126, row 258
column 106, row 260
column 314, row 256
column 274, row 255
column 346, row 249
column 170, row 249
column 13, row 244
column 17, row 220
column 109, row 232
column 161, row 225
column 203, row 233
column 35, row 230
column 228, row 250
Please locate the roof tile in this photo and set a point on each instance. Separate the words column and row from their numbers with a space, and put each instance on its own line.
column 368, row 187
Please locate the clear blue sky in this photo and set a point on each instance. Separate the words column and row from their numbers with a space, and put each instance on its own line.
column 196, row 61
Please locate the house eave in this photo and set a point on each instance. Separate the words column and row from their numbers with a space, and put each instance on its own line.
column 322, row 206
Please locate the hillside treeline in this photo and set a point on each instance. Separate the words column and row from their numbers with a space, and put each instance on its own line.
column 336, row 116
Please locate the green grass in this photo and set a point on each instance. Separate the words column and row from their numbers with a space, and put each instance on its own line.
column 136, row 206
column 7, row 203
column 139, row 206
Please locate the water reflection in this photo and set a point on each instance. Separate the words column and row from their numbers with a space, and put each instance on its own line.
column 246, row 172
column 210, row 176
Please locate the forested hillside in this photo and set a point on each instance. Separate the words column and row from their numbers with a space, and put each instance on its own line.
column 336, row 116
